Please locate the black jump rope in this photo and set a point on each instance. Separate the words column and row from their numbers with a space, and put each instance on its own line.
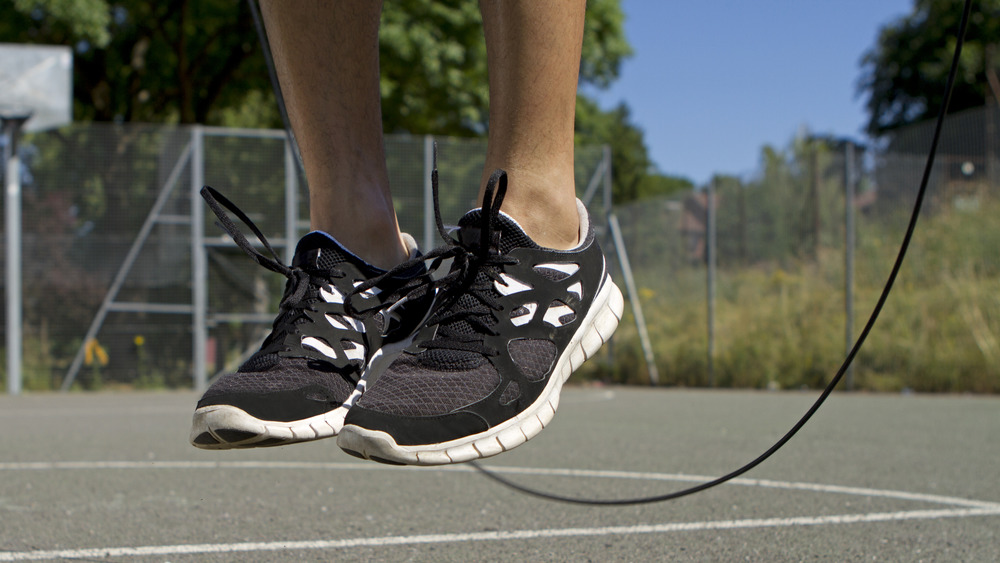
column 904, row 246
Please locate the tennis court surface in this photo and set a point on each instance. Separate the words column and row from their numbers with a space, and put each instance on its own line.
column 110, row 477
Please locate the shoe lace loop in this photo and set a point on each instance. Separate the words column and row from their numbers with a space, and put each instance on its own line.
column 475, row 266
column 303, row 285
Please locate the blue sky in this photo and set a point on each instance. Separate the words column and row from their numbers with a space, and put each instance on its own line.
column 713, row 81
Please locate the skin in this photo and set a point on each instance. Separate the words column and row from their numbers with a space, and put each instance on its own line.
column 330, row 82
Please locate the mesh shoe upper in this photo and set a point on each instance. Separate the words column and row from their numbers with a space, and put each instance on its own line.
column 324, row 335
column 500, row 328
column 316, row 351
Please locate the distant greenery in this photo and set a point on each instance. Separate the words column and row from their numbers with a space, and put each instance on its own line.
column 779, row 320
column 778, row 326
column 200, row 62
column 780, row 289
column 904, row 73
column 633, row 176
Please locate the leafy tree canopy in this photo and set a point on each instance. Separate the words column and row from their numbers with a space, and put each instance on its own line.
column 199, row 62
column 903, row 75
column 146, row 61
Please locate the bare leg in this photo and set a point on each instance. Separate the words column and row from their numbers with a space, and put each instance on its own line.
column 326, row 55
column 533, row 51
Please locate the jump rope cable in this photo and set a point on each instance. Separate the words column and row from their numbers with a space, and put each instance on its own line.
column 904, row 246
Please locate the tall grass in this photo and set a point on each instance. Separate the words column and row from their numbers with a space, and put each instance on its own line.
column 784, row 326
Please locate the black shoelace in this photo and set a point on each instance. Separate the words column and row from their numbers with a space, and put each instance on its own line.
column 303, row 285
column 462, row 323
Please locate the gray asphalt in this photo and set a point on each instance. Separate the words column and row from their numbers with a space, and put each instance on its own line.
column 110, row 477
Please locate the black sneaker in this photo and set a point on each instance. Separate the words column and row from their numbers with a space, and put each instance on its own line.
column 314, row 364
column 513, row 321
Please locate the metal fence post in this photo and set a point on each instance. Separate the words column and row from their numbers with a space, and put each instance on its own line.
column 12, row 215
column 291, row 201
column 199, row 263
column 633, row 297
column 429, row 222
column 608, row 194
column 608, row 201
column 850, row 183
column 710, row 282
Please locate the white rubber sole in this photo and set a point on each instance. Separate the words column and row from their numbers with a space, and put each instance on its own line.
column 596, row 328
column 224, row 427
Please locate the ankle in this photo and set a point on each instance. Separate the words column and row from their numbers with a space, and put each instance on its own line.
column 550, row 228
column 376, row 241
column 383, row 251
column 545, row 207
column 362, row 219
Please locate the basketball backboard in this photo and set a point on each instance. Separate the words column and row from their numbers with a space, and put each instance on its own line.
column 37, row 79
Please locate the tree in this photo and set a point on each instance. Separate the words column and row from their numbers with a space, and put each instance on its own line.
column 789, row 210
column 632, row 173
column 199, row 62
column 903, row 75
column 138, row 61
column 656, row 184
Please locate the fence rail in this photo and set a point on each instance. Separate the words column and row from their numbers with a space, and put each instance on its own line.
column 757, row 281
column 753, row 283
column 127, row 263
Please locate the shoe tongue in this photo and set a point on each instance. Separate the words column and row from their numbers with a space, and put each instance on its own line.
column 319, row 251
column 507, row 234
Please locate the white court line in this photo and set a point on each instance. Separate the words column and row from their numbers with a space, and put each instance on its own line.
column 387, row 541
column 812, row 487
column 532, row 471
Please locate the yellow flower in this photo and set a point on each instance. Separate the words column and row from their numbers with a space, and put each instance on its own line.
column 780, row 278
column 139, row 341
column 93, row 351
column 102, row 355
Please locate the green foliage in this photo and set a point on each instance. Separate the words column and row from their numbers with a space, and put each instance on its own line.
column 629, row 157
column 433, row 68
column 632, row 174
column 83, row 20
column 200, row 62
column 604, row 43
column 433, row 59
column 781, row 326
column 660, row 185
column 904, row 73
column 779, row 319
column 788, row 210
column 147, row 61
column 257, row 110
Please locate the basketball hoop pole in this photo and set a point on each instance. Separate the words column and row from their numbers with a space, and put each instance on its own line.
column 12, row 124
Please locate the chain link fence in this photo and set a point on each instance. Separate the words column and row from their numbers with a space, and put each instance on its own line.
column 755, row 281
column 124, row 270
column 765, row 281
